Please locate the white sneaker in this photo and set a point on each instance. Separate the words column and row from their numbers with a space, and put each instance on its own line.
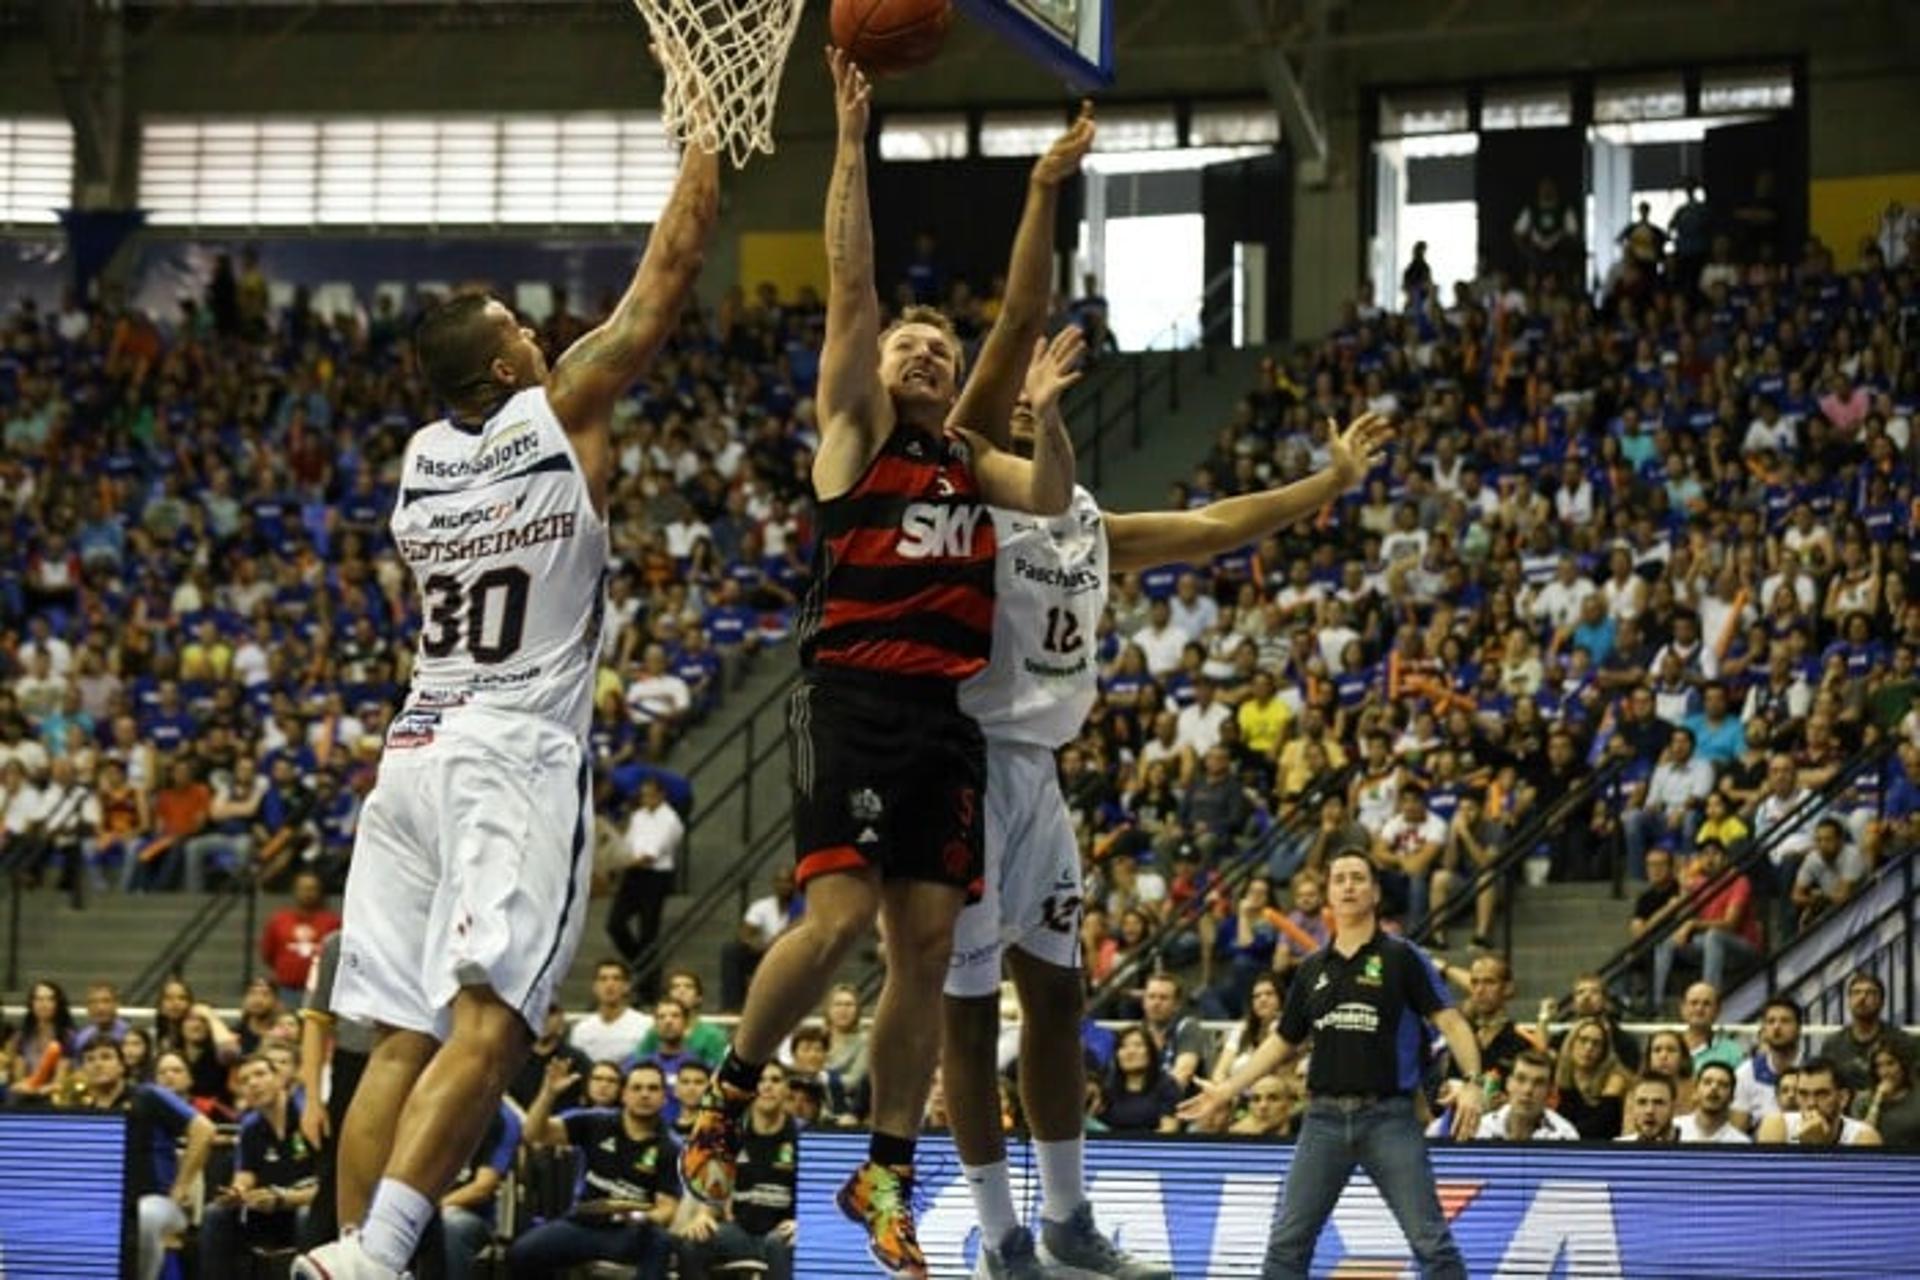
column 344, row 1259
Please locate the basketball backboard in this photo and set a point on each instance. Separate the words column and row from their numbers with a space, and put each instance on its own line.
column 1073, row 37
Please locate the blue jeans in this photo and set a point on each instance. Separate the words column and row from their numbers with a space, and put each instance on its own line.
column 1714, row 950
column 734, row 1243
column 1384, row 1139
column 552, row 1247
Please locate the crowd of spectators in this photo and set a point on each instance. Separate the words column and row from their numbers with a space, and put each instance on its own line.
column 229, row 1143
column 204, row 629
column 1668, row 528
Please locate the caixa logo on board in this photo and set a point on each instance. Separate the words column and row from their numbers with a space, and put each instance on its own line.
column 1562, row 1211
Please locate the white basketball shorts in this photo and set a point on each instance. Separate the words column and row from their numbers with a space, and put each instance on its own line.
column 471, row 867
column 1033, row 891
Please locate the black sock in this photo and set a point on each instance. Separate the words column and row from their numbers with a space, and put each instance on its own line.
column 741, row 1075
column 886, row 1149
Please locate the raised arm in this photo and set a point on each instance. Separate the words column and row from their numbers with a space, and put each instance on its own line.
column 854, row 408
column 1144, row 539
column 593, row 373
column 986, row 403
column 1044, row 485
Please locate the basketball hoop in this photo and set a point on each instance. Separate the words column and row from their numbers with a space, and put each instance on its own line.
column 723, row 60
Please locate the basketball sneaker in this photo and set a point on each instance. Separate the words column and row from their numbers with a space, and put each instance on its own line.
column 880, row 1198
column 1075, row 1250
column 343, row 1259
column 711, row 1156
column 1012, row 1259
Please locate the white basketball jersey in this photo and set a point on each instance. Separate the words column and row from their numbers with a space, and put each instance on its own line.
column 1050, row 588
column 510, row 557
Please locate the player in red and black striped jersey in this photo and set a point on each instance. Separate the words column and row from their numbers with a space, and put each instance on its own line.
column 888, row 774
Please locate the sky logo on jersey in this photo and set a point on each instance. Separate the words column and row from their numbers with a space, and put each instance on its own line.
column 928, row 531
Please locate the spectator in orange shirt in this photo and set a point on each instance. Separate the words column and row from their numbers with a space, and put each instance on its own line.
column 180, row 811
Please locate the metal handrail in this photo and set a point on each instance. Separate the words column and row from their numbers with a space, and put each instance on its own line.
column 1809, row 809
column 1306, row 812
column 1903, row 865
column 736, row 879
column 706, row 807
column 1130, row 403
column 1518, row 848
column 197, row 928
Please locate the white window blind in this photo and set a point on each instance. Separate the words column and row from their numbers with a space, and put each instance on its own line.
column 407, row 171
column 1656, row 97
column 1747, row 89
column 1022, row 133
column 923, row 137
column 36, row 169
column 1434, row 111
column 1234, row 125
column 1526, row 107
column 1136, row 129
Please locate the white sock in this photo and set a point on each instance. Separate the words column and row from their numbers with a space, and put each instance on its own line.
column 992, row 1199
column 1063, row 1186
column 394, row 1222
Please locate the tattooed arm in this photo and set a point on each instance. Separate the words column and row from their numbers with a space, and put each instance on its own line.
column 855, row 411
column 596, row 371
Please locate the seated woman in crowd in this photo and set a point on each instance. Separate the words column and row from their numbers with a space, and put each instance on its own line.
column 1140, row 1098
column 1590, row 1083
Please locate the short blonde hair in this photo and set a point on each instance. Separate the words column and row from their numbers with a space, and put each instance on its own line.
column 936, row 318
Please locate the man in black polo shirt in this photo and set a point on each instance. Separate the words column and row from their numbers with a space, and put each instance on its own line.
column 162, row 1179
column 1363, row 1000
column 759, row 1225
column 274, row 1177
column 629, row 1185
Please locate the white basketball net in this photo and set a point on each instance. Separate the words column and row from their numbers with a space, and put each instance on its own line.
column 723, row 60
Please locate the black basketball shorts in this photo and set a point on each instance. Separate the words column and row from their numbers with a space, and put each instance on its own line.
column 886, row 774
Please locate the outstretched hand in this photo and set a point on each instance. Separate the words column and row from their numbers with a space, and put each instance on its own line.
column 852, row 94
column 1356, row 451
column 1054, row 368
column 1062, row 159
column 1210, row 1097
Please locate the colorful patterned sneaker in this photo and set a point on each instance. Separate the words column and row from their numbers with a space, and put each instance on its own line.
column 711, row 1156
column 1075, row 1250
column 880, row 1198
column 1012, row 1259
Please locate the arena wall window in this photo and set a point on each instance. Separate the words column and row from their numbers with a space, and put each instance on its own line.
column 379, row 172
column 924, row 137
column 36, row 170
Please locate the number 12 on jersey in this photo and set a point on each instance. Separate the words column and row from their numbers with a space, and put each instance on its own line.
column 1063, row 631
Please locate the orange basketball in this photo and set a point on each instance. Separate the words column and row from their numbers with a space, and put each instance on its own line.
column 887, row 37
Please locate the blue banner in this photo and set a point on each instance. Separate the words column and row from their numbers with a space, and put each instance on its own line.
column 1560, row 1211
column 61, row 1181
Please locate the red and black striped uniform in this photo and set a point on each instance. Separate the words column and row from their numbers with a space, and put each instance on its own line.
column 903, row 571
column 887, row 772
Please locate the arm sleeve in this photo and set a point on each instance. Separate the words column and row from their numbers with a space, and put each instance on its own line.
column 667, row 1172
column 171, row 1113
column 1426, row 989
column 243, row 1145
column 580, row 1125
column 320, row 976
column 1294, row 1026
column 500, row 1159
